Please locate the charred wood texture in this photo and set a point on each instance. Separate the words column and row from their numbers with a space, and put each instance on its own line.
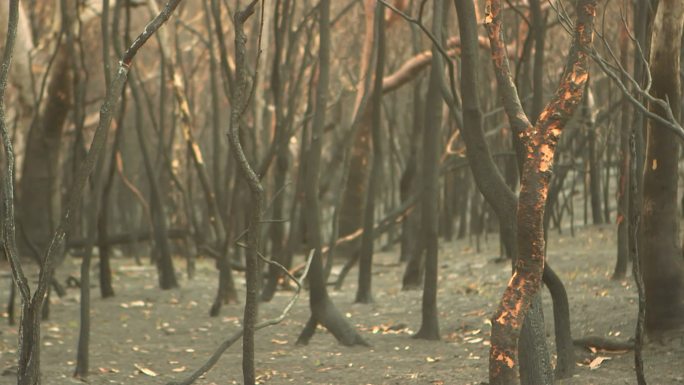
column 540, row 143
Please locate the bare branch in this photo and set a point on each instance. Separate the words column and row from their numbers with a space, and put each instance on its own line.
column 509, row 92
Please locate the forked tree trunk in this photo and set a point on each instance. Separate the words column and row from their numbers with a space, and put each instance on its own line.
column 536, row 368
column 660, row 253
column 540, row 143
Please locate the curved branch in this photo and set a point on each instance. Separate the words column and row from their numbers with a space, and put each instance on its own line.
column 509, row 92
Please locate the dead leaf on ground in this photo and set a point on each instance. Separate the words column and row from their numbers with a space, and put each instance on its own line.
column 596, row 362
column 133, row 304
column 108, row 370
column 471, row 340
column 146, row 371
column 390, row 328
column 265, row 376
column 474, row 313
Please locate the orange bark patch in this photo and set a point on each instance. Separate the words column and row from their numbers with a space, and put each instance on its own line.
column 502, row 318
column 579, row 78
column 506, row 359
column 544, row 115
column 546, row 158
column 510, row 313
column 544, row 192
column 555, row 132
column 567, row 95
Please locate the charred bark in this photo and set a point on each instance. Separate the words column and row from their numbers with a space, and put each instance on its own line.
column 409, row 181
column 593, row 162
column 240, row 100
column 167, row 274
column 540, row 143
column 28, row 372
column 323, row 311
column 39, row 187
column 622, row 219
column 429, row 328
column 490, row 181
column 660, row 252
column 364, row 291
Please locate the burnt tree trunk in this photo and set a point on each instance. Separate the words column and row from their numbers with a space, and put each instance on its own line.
column 39, row 187
column 540, row 143
column 408, row 182
column 353, row 199
column 364, row 292
column 660, row 253
column 167, row 274
column 490, row 181
column 429, row 328
column 240, row 100
column 623, row 179
column 277, row 230
column 323, row 311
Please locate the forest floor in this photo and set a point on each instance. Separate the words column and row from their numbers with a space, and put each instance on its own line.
column 148, row 336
